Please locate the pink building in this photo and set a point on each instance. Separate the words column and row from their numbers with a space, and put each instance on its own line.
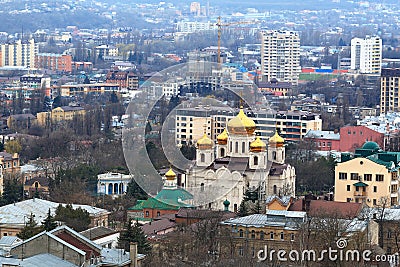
column 352, row 137
column 349, row 138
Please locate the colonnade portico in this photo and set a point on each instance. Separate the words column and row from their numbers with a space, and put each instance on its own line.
column 113, row 183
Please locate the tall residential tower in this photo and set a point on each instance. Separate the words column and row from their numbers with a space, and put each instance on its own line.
column 366, row 54
column 280, row 56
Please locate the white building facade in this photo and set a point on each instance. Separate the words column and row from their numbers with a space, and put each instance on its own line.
column 19, row 53
column 366, row 54
column 280, row 56
column 113, row 183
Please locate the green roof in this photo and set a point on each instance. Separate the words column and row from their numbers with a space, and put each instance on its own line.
column 138, row 206
column 360, row 184
column 166, row 199
column 375, row 159
column 371, row 145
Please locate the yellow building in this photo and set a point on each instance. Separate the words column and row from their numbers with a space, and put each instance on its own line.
column 371, row 177
column 65, row 113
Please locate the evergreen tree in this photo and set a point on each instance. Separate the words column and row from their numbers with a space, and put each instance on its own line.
column 57, row 102
column 114, row 98
column 148, row 128
column 46, row 103
column 243, row 211
column 30, row 229
column 49, row 222
column 78, row 219
column 134, row 234
column 135, row 191
column 12, row 191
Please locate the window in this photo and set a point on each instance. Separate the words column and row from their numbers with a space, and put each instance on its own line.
column 262, row 235
column 348, row 199
column 253, row 234
column 255, row 160
column 375, row 189
column 202, row 158
column 379, row 177
column 291, row 237
column 241, row 251
column 354, row 176
column 236, row 147
column 282, row 236
column 240, row 233
column 158, row 214
column 367, row 177
column 202, row 187
column 271, row 235
column 374, row 202
column 348, row 187
column 243, row 147
column 389, row 234
column 342, row 176
column 147, row 213
column 274, row 155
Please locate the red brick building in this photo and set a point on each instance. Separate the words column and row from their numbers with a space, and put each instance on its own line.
column 124, row 79
column 54, row 62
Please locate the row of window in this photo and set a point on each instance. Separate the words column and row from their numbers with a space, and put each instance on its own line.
column 262, row 235
column 356, row 177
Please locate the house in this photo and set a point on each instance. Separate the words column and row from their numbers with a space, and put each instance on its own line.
column 275, row 202
column 371, row 177
column 21, row 121
column 10, row 162
column 60, row 114
column 37, row 186
column 65, row 247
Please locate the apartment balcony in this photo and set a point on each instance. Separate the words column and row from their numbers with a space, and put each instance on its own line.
column 360, row 194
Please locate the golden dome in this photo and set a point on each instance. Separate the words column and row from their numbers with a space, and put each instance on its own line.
column 222, row 138
column 204, row 142
column 241, row 124
column 276, row 140
column 170, row 175
column 257, row 145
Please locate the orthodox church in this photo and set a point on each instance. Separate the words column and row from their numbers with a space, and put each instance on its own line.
column 238, row 161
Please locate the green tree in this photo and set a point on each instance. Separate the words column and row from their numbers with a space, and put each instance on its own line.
column 30, row 229
column 243, row 210
column 135, row 191
column 78, row 219
column 13, row 146
column 134, row 234
column 49, row 222
column 12, row 191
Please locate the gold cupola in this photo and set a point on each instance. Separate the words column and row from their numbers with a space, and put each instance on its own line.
column 258, row 145
column 170, row 175
column 205, row 143
column 241, row 124
column 276, row 140
column 222, row 138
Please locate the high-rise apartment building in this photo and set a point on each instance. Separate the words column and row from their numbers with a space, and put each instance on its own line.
column 390, row 93
column 19, row 53
column 366, row 54
column 280, row 56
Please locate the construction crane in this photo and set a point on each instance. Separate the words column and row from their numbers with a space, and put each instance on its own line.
column 219, row 24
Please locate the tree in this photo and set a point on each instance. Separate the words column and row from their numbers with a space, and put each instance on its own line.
column 78, row 219
column 13, row 146
column 49, row 222
column 30, row 229
column 46, row 103
column 135, row 191
column 134, row 234
column 12, row 191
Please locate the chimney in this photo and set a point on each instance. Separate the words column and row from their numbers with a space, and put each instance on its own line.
column 133, row 254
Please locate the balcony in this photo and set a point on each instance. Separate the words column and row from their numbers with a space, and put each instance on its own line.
column 360, row 194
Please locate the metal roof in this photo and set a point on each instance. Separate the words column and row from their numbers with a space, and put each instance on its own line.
column 18, row 213
column 275, row 218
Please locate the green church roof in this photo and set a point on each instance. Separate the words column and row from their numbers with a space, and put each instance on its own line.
column 370, row 145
